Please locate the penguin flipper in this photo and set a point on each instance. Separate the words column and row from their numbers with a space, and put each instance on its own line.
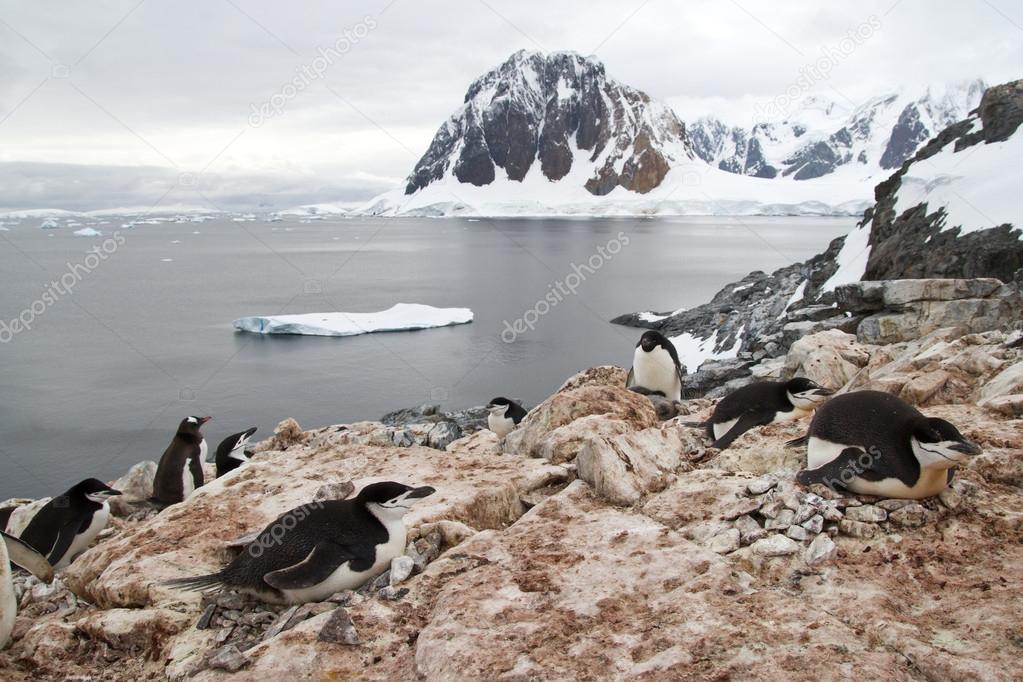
column 746, row 422
column 849, row 464
column 631, row 379
column 325, row 558
column 28, row 558
column 65, row 537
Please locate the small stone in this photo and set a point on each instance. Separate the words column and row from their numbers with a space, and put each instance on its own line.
column 820, row 550
column 344, row 597
column 231, row 614
column 911, row 516
column 892, row 504
column 868, row 513
column 759, row 486
column 847, row 502
column 742, row 507
column 803, row 513
column 797, row 533
column 832, row 514
column 392, row 594
column 401, row 569
column 339, row 628
column 857, row 529
column 334, row 491
column 783, row 520
column 206, row 617
column 725, row 542
column 791, row 500
column 749, row 530
column 771, row 508
column 951, row 499
column 280, row 625
column 231, row 601
column 257, row 618
column 823, row 491
column 223, row 634
column 229, row 658
column 814, row 525
column 775, row 545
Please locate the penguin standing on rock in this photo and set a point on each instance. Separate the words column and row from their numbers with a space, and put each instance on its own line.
column 762, row 403
column 504, row 416
column 66, row 525
column 13, row 550
column 655, row 366
column 313, row 551
column 231, row 453
column 873, row 443
column 180, row 469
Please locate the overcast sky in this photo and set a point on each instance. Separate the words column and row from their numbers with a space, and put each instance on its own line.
column 110, row 103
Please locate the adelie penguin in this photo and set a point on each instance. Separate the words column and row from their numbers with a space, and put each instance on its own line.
column 655, row 366
column 762, row 403
column 230, row 453
column 874, row 443
column 180, row 471
column 504, row 416
column 13, row 550
column 313, row 551
column 66, row 525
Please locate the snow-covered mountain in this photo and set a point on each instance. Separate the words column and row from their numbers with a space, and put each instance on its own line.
column 823, row 136
column 553, row 134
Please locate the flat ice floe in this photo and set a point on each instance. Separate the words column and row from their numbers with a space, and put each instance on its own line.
column 400, row 317
column 87, row 232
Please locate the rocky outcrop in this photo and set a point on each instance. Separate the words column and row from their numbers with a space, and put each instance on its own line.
column 558, row 111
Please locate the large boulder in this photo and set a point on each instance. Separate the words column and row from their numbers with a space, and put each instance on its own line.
column 831, row 358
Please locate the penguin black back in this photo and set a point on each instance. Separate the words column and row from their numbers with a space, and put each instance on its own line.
column 180, row 470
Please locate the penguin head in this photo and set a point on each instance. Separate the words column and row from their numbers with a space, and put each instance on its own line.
column 94, row 490
column 498, row 406
column 652, row 340
column 806, row 394
column 938, row 444
column 190, row 425
column 393, row 499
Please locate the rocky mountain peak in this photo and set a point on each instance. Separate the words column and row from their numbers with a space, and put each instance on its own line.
column 559, row 110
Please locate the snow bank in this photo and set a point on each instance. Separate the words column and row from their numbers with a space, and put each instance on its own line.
column 851, row 260
column 400, row 317
column 693, row 351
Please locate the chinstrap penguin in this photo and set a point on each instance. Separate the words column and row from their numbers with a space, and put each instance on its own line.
column 180, row 471
column 762, row 403
column 873, row 443
column 66, row 526
column 13, row 550
column 655, row 366
column 313, row 551
column 231, row 453
column 504, row 416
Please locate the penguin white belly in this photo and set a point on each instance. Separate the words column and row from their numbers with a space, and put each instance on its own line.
column 502, row 426
column 931, row 481
column 789, row 416
column 204, row 450
column 723, row 428
column 656, row 371
column 187, row 482
column 85, row 538
column 8, row 604
column 344, row 578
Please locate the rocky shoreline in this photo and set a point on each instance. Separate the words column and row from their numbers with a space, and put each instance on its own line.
column 595, row 533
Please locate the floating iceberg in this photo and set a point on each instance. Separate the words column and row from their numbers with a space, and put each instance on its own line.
column 49, row 224
column 400, row 317
column 87, row 232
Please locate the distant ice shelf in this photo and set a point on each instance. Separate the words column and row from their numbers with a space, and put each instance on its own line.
column 400, row 317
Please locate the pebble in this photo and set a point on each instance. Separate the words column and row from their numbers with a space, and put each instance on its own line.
column 339, row 628
column 229, row 658
column 749, row 530
column 820, row 550
column 857, row 529
column 206, row 617
column 951, row 499
column 911, row 516
column 344, row 598
column 791, row 500
column 231, row 600
column 815, row 524
column 804, row 512
column 334, row 491
column 742, row 507
column 797, row 533
column 401, row 569
column 893, row 504
column 280, row 624
column 784, row 519
column 775, row 545
column 761, row 485
column 771, row 508
column 726, row 542
column 223, row 634
column 832, row 514
column 391, row 594
column 867, row 513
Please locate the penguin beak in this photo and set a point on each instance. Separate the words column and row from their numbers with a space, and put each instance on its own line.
column 967, row 448
column 203, row 420
column 823, row 391
column 419, row 493
column 110, row 493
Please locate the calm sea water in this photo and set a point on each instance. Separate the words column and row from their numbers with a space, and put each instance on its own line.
column 106, row 372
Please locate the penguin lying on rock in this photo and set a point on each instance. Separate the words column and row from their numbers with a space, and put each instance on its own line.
column 759, row 404
column 874, row 443
column 313, row 551
column 65, row 526
column 13, row 550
